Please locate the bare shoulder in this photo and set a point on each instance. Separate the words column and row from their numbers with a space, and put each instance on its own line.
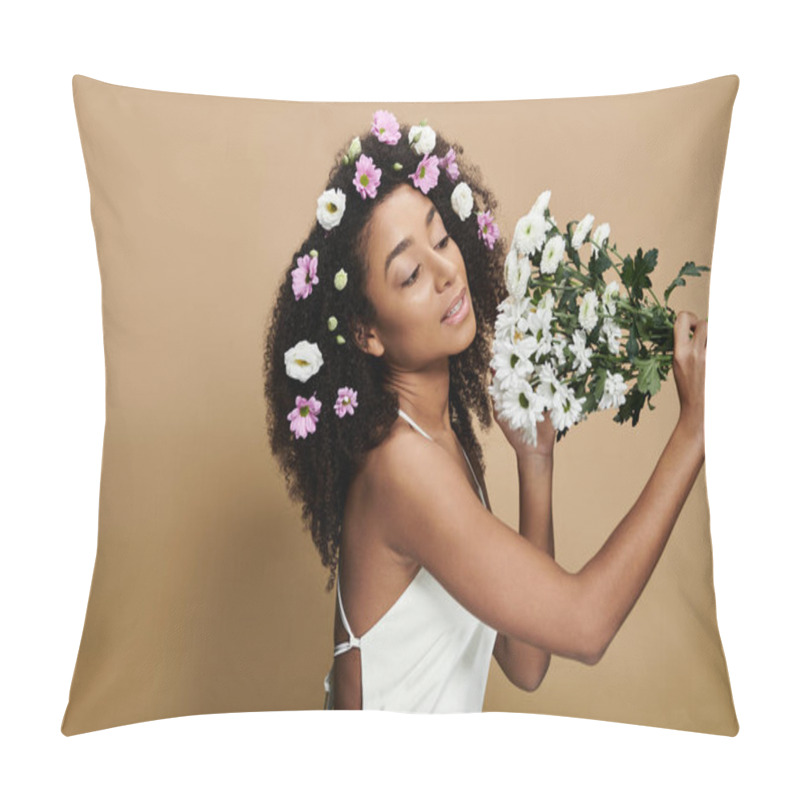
column 432, row 515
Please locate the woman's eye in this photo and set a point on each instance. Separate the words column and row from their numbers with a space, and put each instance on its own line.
column 411, row 278
column 444, row 242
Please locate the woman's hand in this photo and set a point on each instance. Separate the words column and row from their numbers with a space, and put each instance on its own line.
column 689, row 367
column 545, row 436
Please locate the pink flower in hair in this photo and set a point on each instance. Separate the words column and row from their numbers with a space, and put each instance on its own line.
column 488, row 229
column 448, row 164
column 385, row 127
column 304, row 416
column 368, row 177
column 304, row 276
column 346, row 401
column 426, row 175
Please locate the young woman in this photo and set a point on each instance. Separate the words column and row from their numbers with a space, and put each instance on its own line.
column 378, row 350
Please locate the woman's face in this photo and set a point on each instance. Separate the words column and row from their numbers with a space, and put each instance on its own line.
column 415, row 273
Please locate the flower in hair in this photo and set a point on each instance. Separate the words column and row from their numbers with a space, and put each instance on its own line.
column 340, row 280
column 368, row 177
column 385, row 127
column 422, row 138
column 304, row 276
column 330, row 208
column 304, row 416
column 448, row 164
column 426, row 176
column 303, row 361
column 353, row 152
column 488, row 229
column 462, row 201
column 346, row 401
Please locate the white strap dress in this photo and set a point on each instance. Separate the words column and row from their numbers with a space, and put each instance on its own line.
column 427, row 653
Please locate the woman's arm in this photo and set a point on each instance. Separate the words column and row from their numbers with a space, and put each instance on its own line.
column 525, row 665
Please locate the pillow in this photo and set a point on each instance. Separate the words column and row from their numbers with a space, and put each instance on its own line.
column 207, row 594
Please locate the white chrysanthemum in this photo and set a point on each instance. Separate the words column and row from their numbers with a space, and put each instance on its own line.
column 426, row 141
column 587, row 314
column 517, row 273
column 611, row 291
column 542, row 201
column 512, row 360
column 581, row 229
column 582, row 353
column 539, row 324
column 611, row 333
column 330, row 208
column 552, row 254
column 559, row 343
column 512, row 319
column 303, row 360
column 548, row 385
column 567, row 409
column 523, row 408
column 462, row 201
column 613, row 392
column 548, row 301
column 600, row 235
column 530, row 233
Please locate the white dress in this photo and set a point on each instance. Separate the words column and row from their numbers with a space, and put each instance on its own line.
column 427, row 653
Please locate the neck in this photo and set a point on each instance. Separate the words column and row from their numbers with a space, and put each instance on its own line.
column 424, row 395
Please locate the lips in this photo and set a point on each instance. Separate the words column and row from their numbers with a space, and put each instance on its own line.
column 460, row 296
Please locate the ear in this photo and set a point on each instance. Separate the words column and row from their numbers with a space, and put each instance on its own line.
column 367, row 340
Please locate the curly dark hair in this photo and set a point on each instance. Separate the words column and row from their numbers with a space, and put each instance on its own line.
column 318, row 469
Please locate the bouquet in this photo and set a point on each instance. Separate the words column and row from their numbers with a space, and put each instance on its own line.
column 566, row 341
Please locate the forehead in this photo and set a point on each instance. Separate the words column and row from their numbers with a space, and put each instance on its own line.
column 399, row 215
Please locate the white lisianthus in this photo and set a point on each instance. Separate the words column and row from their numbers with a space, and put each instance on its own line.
column 582, row 353
column 462, row 201
column 587, row 314
column 530, row 233
column 613, row 392
column 541, row 203
column 303, row 361
column 330, row 208
column 611, row 334
column 600, row 235
column 581, row 229
column 611, row 291
column 517, row 273
column 552, row 254
column 422, row 139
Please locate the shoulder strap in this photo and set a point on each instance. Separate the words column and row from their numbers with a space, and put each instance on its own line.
column 412, row 423
column 343, row 647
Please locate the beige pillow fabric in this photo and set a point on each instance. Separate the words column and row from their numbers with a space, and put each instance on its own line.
column 207, row 594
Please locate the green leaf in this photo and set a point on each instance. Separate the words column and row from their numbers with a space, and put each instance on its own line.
column 648, row 380
column 689, row 268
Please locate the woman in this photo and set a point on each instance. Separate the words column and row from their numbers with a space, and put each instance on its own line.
column 389, row 313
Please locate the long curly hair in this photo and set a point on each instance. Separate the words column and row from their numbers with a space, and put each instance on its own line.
column 318, row 468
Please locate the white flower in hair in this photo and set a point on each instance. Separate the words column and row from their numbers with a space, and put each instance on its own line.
column 330, row 208
column 303, row 361
column 422, row 139
column 517, row 272
column 462, row 201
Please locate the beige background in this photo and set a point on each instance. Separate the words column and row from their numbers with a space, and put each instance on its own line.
column 207, row 595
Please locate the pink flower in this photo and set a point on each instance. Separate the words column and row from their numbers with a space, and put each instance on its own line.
column 304, row 416
column 385, row 127
column 368, row 177
column 427, row 173
column 448, row 164
column 346, row 401
column 488, row 229
column 304, row 276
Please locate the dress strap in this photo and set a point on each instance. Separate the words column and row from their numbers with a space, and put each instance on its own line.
column 355, row 641
column 412, row 423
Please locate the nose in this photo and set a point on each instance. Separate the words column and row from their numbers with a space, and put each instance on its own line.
column 445, row 268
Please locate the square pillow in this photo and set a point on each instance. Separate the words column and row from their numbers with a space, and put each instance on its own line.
column 208, row 594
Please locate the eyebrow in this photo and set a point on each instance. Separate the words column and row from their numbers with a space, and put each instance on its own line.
column 407, row 241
